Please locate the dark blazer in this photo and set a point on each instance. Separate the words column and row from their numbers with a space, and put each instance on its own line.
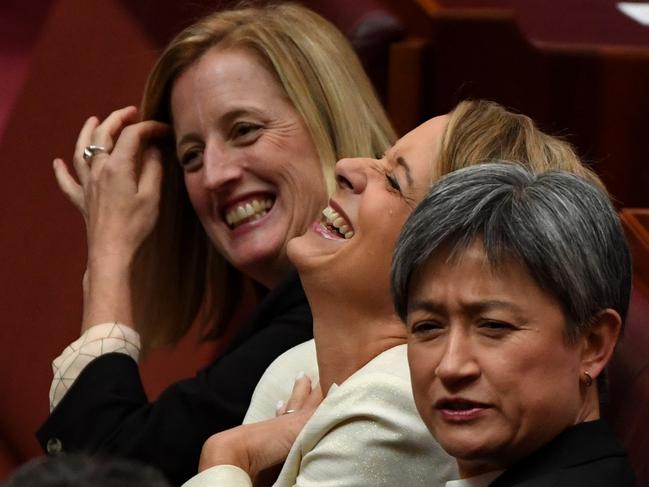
column 106, row 410
column 587, row 454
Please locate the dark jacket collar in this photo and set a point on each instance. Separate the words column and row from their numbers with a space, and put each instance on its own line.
column 579, row 444
column 286, row 296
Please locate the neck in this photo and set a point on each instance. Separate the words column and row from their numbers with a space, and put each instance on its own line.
column 268, row 274
column 590, row 408
column 468, row 469
column 347, row 337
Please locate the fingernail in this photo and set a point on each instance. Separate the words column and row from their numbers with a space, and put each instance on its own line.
column 299, row 376
column 279, row 405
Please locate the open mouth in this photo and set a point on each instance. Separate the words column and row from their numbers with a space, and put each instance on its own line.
column 460, row 408
column 336, row 223
column 248, row 211
column 458, row 405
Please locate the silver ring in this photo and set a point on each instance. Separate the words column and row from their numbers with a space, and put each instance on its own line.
column 92, row 150
column 289, row 411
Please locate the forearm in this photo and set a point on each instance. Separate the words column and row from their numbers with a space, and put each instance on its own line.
column 107, row 291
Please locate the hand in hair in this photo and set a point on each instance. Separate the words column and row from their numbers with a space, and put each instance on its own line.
column 118, row 195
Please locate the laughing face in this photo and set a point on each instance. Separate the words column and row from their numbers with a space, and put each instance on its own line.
column 349, row 248
column 251, row 170
column 493, row 375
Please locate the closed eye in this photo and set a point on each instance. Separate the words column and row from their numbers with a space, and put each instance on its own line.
column 496, row 328
column 427, row 327
column 393, row 181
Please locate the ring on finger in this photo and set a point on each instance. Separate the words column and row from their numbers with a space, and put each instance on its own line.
column 289, row 411
column 92, row 150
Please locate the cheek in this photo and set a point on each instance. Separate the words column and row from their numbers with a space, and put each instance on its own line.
column 309, row 176
column 296, row 167
column 306, row 164
column 538, row 385
column 422, row 375
column 198, row 197
column 384, row 213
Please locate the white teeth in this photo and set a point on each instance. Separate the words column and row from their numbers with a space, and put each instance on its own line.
column 252, row 210
column 334, row 219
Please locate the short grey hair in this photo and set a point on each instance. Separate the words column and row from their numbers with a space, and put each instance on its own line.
column 560, row 226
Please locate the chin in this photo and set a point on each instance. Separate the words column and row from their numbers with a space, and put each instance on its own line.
column 466, row 445
column 310, row 252
column 260, row 263
column 305, row 262
column 294, row 251
column 464, row 451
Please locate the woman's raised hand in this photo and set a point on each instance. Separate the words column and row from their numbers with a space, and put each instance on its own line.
column 257, row 447
column 119, row 190
column 118, row 193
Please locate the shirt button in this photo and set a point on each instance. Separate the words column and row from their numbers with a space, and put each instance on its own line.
column 54, row 446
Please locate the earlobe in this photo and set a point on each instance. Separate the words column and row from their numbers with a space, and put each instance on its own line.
column 598, row 343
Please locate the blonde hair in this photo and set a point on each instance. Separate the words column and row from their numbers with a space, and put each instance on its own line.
column 484, row 131
column 179, row 273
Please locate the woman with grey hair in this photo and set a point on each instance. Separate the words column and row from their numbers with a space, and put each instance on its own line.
column 514, row 288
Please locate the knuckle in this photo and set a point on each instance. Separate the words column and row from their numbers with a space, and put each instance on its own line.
column 130, row 131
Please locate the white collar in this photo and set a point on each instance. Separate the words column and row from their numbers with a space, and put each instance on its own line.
column 478, row 481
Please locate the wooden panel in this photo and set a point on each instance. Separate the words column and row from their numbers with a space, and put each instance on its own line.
column 593, row 95
column 405, row 83
column 636, row 226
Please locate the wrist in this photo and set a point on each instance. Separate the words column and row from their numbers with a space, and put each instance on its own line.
column 104, row 261
column 225, row 448
column 107, row 292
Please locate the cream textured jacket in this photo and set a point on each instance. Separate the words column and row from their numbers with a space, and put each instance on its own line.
column 366, row 432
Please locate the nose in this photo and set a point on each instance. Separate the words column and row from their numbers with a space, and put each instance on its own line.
column 220, row 167
column 457, row 366
column 351, row 173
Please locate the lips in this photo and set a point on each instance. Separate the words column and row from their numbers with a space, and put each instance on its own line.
column 459, row 409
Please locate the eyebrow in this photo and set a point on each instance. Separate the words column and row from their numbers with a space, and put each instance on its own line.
column 402, row 162
column 471, row 308
column 190, row 137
